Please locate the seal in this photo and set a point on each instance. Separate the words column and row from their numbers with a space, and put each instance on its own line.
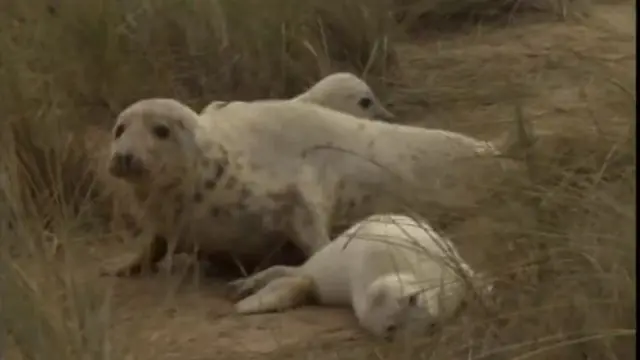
column 341, row 91
column 355, row 163
column 396, row 273
column 278, row 166
column 193, row 196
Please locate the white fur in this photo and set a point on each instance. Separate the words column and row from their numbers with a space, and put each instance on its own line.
column 340, row 91
column 394, row 272
column 273, row 180
column 352, row 157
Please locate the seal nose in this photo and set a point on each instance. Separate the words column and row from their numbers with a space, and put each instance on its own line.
column 124, row 161
column 383, row 114
column 123, row 164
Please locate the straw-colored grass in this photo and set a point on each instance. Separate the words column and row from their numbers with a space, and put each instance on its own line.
column 560, row 240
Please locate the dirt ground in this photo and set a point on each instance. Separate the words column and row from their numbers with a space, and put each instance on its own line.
column 175, row 316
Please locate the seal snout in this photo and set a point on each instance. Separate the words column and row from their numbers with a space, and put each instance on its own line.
column 384, row 114
column 125, row 165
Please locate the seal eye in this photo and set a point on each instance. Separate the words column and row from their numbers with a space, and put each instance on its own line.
column 413, row 300
column 389, row 332
column 118, row 131
column 161, row 131
column 365, row 102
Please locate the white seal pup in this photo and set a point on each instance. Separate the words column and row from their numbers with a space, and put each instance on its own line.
column 347, row 93
column 341, row 91
column 396, row 273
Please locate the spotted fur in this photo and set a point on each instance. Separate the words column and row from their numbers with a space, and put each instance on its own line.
column 213, row 185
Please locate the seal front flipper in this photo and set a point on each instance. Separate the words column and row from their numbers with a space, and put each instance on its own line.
column 280, row 294
column 145, row 260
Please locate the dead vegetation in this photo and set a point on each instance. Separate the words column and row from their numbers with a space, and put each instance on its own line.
column 560, row 242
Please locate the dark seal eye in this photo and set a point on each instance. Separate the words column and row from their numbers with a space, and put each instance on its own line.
column 389, row 332
column 118, row 131
column 365, row 102
column 161, row 131
column 413, row 300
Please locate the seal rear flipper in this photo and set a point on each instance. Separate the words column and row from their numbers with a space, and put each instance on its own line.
column 280, row 294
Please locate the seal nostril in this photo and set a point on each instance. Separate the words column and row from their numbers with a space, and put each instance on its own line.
column 124, row 160
column 127, row 159
column 125, row 165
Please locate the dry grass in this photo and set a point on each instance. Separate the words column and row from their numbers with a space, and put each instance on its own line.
column 561, row 246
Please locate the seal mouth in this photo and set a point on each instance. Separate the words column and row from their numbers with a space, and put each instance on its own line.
column 129, row 173
column 130, row 176
column 383, row 114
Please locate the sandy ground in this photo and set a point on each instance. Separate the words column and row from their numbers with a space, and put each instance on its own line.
column 166, row 317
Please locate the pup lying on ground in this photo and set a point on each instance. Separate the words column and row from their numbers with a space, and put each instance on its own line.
column 340, row 91
column 280, row 166
column 395, row 272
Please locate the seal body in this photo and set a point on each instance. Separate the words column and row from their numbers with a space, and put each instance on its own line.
column 359, row 165
column 278, row 166
column 341, row 91
column 395, row 272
